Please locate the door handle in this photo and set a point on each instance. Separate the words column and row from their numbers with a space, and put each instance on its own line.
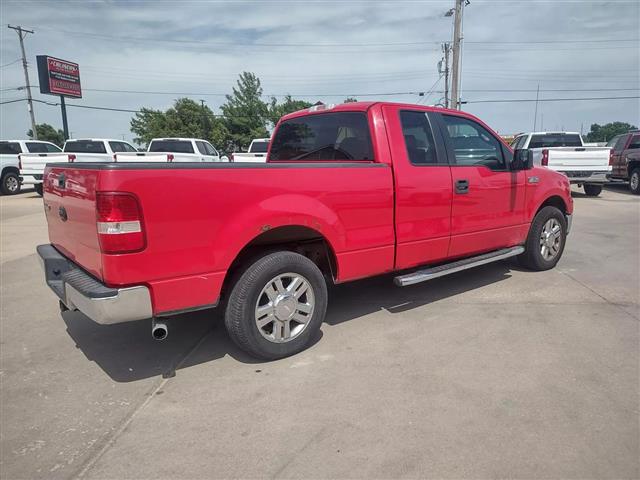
column 462, row 186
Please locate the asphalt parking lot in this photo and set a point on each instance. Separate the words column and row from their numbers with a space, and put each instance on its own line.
column 493, row 372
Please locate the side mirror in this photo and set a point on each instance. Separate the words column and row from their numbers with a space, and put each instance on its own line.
column 522, row 159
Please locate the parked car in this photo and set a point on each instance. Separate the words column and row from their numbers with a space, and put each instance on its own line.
column 74, row 151
column 257, row 152
column 565, row 152
column 175, row 150
column 348, row 192
column 9, row 150
column 625, row 158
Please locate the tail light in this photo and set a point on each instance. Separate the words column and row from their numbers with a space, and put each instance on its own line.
column 170, row 157
column 72, row 158
column 119, row 223
column 611, row 157
column 115, row 157
column 545, row 157
column 19, row 162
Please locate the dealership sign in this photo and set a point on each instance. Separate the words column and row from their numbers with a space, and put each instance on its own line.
column 59, row 77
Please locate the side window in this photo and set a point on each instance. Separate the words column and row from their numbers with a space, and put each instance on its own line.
column 620, row 143
column 473, row 144
column 51, row 148
column 35, row 147
column 210, row 150
column 201, row 148
column 418, row 138
column 116, row 147
column 325, row 136
column 10, row 148
column 635, row 142
column 127, row 148
column 519, row 142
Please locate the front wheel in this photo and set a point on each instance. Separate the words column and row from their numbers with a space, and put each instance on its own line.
column 277, row 305
column 592, row 190
column 38, row 188
column 546, row 239
column 634, row 181
column 10, row 183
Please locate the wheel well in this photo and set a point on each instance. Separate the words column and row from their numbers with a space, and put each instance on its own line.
column 294, row 238
column 554, row 201
column 631, row 166
column 6, row 170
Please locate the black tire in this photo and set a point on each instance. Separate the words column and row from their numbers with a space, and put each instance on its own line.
column 10, row 184
column 592, row 190
column 38, row 188
column 246, row 292
column 532, row 257
column 634, row 181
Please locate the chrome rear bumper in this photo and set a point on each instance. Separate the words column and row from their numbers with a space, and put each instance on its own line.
column 80, row 291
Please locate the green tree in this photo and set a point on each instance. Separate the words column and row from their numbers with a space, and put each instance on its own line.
column 350, row 100
column 48, row 133
column 604, row 133
column 288, row 105
column 186, row 118
column 245, row 115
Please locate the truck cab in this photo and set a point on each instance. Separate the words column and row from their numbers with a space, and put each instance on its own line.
column 625, row 159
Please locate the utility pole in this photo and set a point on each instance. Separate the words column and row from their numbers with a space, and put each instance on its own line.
column 204, row 120
column 457, row 38
column 445, row 48
column 535, row 114
column 21, row 34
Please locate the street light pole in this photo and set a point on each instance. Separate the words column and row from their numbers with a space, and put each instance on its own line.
column 21, row 34
column 457, row 38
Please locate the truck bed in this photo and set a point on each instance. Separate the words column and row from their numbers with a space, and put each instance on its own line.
column 194, row 234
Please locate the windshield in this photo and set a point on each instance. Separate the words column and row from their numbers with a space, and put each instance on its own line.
column 171, row 146
column 259, row 147
column 548, row 140
column 84, row 146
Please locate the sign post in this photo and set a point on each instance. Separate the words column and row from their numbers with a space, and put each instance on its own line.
column 59, row 77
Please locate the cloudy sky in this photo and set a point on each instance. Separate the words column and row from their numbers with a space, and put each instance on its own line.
column 327, row 50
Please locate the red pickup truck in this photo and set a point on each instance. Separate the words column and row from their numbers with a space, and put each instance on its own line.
column 348, row 192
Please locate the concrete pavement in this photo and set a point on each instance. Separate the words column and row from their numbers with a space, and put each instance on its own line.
column 493, row 372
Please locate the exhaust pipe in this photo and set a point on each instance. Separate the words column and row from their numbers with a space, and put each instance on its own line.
column 159, row 330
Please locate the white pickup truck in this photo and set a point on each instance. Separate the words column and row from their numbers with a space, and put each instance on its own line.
column 74, row 150
column 257, row 152
column 10, row 163
column 565, row 152
column 175, row 150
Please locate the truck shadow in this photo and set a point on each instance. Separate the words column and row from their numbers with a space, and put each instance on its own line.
column 126, row 352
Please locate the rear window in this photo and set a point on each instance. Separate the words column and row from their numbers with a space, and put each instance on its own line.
column 85, row 146
column 171, row 146
column 548, row 140
column 326, row 136
column 259, row 147
column 10, row 148
column 38, row 147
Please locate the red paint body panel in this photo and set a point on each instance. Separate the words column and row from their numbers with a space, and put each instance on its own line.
column 376, row 218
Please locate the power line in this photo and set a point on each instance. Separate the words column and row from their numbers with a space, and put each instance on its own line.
column 11, row 63
column 516, row 100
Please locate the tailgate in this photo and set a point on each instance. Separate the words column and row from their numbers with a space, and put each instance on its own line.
column 34, row 163
column 141, row 157
column 579, row 158
column 69, row 205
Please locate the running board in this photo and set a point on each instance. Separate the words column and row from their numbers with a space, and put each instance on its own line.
column 457, row 266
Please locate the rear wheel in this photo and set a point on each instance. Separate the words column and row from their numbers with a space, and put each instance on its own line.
column 592, row 190
column 546, row 239
column 10, row 183
column 634, row 181
column 38, row 188
column 277, row 305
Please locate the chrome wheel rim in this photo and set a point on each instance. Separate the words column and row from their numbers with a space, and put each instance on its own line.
column 11, row 184
column 284, row 307
column 635, row 180
column 550, row 239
